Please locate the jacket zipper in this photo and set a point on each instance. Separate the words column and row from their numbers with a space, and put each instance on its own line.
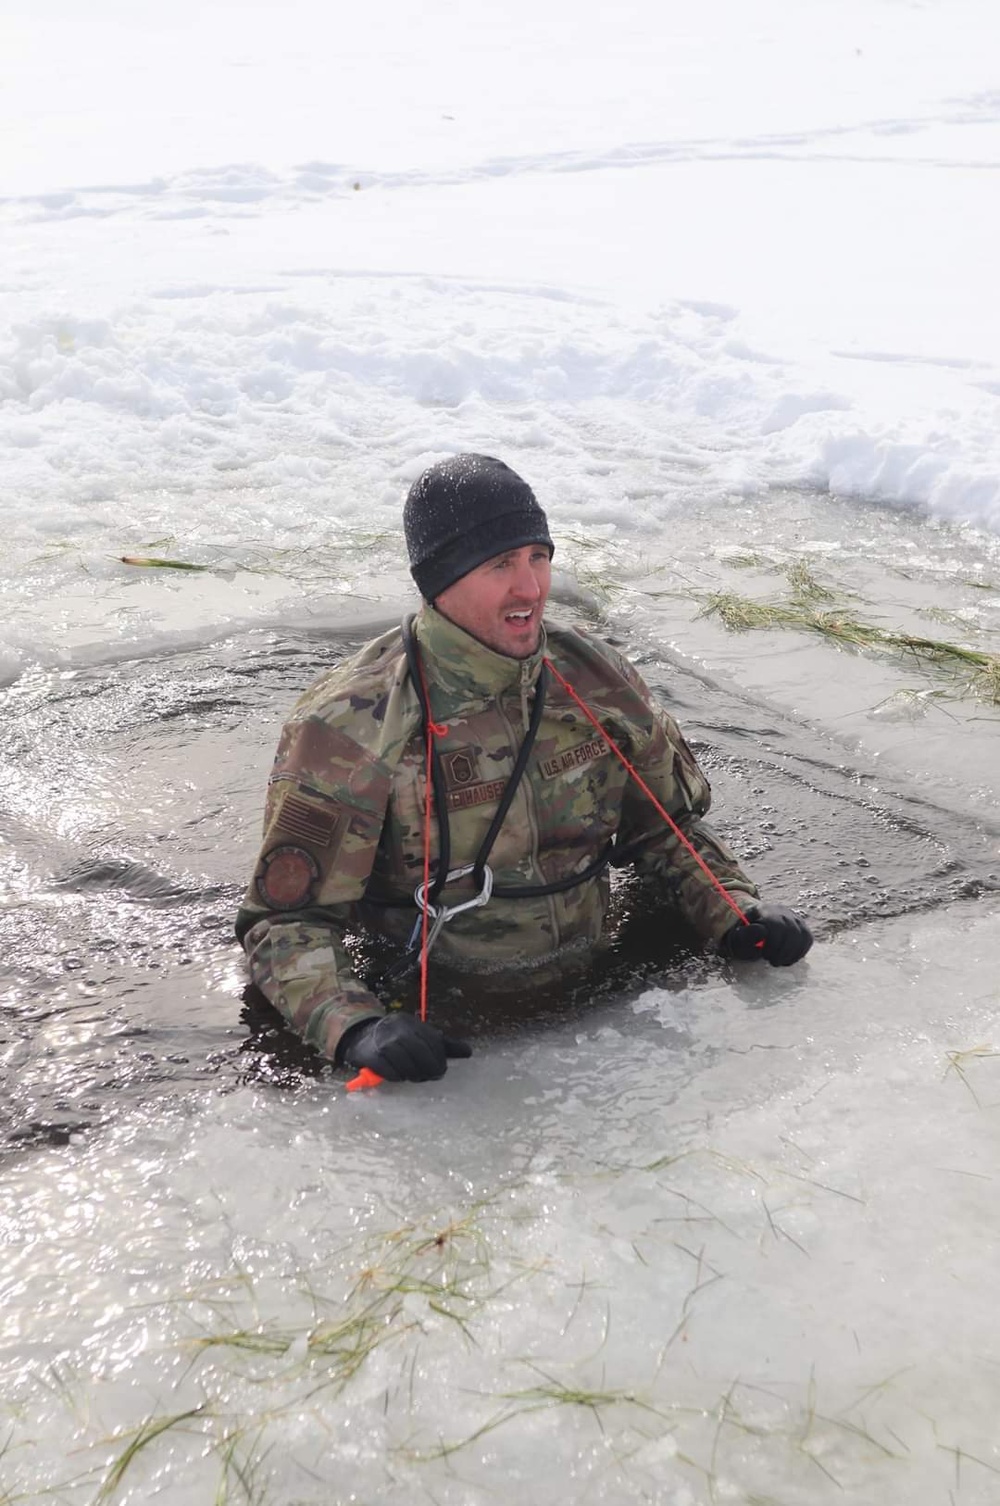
column 528, row 790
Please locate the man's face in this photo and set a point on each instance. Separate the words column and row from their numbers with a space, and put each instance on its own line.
column 501, row 601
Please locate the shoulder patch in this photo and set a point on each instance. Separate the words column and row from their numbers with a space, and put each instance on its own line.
column 286, row 878
column 306, row 820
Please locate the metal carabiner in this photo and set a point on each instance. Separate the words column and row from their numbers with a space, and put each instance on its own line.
column 482, row 898
column 441, row 914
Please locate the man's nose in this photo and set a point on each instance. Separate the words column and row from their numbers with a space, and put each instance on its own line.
column 525, row 583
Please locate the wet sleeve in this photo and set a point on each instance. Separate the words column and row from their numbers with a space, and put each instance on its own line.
column 670, row 769
column 326, row 804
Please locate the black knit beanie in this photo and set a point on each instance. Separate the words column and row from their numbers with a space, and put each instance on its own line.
column 464, row 511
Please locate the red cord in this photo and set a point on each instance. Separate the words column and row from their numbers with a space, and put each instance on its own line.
column 436, row 729
column 649, row 794
column 367, row 1079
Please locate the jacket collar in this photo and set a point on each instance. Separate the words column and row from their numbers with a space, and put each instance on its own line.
column 464, row 667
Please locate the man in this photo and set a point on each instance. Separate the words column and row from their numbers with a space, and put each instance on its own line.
column 485, row 736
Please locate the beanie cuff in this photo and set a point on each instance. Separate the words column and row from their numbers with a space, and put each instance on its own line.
column 476, row 546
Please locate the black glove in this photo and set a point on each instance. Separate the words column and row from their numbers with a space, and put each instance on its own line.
column 400, row 1048
column 785, row 935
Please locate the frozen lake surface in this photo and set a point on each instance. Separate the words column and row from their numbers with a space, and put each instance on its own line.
column 729, row 1229
column 722, row 287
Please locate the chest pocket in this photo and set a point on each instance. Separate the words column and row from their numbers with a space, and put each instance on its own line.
column 474, row 782
column 579, row 783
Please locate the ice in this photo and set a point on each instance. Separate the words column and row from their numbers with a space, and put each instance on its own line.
column 720, row 281
column 752, row 1221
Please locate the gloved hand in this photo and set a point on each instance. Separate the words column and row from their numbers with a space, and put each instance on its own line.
column 400, row 1048
column 785, row 935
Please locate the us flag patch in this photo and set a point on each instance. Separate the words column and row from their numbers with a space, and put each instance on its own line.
column 310, row 823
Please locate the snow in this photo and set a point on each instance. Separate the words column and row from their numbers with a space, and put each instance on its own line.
column 715, row 279
column 237, row 255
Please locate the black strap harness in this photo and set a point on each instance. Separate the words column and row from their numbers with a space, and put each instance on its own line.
column 479, row 869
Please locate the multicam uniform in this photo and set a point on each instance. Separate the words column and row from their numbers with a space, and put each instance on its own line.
column 344, row 822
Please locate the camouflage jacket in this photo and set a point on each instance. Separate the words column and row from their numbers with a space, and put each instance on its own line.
column 344, row 820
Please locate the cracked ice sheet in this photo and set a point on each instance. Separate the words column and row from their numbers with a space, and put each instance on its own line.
column 727, row 1236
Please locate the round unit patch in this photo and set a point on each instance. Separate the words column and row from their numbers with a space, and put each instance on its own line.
column 286, row 878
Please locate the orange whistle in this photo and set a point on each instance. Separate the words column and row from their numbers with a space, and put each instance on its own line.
column 366, row 1078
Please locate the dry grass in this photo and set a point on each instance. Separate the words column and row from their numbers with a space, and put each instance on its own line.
column 136, row 1441
column 403, row 1282
column 325, row 561
column 958, row 1062
column 970, row 670
column 804, row 584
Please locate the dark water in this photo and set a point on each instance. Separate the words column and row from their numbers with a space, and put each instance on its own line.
column 130, row 803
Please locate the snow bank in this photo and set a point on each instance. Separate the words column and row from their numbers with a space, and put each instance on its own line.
column 696, row 257
column 234, row 411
